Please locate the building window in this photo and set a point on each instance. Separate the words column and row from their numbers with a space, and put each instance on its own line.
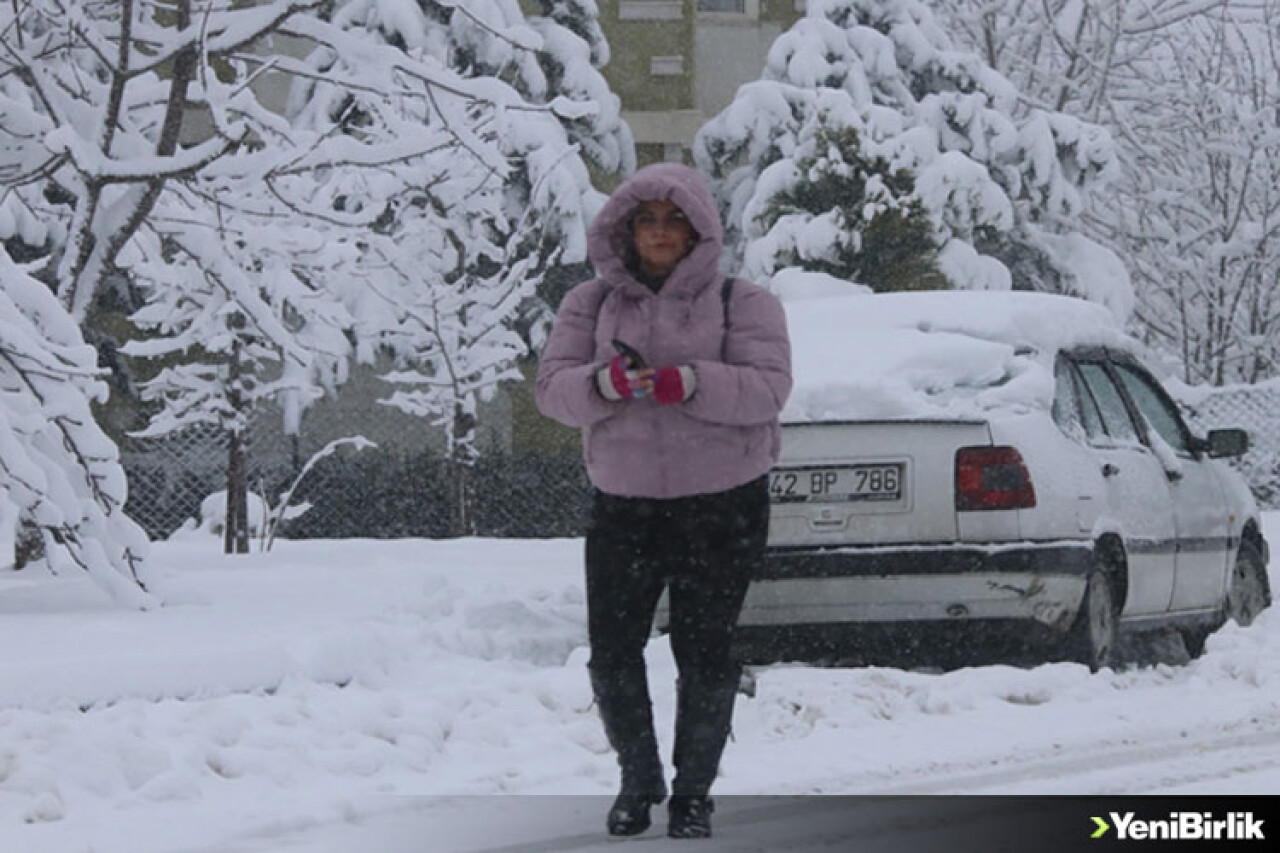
column 734, row 7
column 666, row 66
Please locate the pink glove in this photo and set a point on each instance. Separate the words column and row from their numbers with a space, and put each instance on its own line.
column 673, row 385
column 616, row 382
column 618, row 378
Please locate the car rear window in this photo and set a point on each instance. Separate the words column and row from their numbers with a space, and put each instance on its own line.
column 1066, row 402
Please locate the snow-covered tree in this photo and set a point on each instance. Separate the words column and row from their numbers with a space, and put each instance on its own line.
column 1002, row 192
column 1199, row 217
column 135, row 141
column 1088, row 57
column 1188, row 89
column 455, row 264
column 95, row 99
column 242, row 298
column 835, row 207
column 56, row 465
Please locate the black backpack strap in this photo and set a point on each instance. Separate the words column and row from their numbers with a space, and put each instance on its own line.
column 726, row 294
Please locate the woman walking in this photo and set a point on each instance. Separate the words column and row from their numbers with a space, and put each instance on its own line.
column 676, row 376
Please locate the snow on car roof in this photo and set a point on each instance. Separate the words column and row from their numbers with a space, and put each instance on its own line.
column 930, row 355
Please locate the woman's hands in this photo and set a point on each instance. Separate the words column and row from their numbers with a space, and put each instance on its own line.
column 667, row 385
column 618, row 381
column 673, row 385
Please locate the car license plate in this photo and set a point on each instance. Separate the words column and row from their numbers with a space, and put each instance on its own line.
column 879, row 482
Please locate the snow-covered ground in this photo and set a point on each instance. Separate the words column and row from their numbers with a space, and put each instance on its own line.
column 296, row 700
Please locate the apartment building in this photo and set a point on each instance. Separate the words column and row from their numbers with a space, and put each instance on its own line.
column 677, row 63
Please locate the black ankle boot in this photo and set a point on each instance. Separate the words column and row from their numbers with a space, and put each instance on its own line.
column 689, row 816
column 629, row 814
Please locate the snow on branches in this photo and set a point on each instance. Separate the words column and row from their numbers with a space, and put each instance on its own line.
column 449, row 274
column 56, row 465
column 429, row 165
column 1189, row 89
column 875, row 89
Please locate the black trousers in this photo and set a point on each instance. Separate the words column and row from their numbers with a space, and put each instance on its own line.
column 704, row 549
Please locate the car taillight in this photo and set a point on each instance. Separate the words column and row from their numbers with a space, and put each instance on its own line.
column 992, row 478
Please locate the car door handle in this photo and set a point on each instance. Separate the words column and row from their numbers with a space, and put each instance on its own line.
column 1109, row 470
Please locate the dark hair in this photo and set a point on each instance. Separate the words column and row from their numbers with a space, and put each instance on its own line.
column 630, row 257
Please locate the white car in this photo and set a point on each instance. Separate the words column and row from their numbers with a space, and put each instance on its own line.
column 963, row 460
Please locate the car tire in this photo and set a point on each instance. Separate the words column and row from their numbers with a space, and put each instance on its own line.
column 1248, row 590
column 1092, row 638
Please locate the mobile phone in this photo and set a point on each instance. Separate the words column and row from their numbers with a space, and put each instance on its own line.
column 629, row 353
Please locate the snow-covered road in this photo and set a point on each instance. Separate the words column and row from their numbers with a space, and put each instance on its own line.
column 357, row 695
column 744, row 824
column 1244, row 760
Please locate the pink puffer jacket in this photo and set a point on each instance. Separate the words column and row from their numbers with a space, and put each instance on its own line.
column 726, row 434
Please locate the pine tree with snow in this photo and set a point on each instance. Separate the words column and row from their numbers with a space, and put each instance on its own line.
column 1001, row 192
column 855, row 218
column 459, row 260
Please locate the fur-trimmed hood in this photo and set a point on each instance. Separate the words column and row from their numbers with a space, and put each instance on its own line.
column 609, row 235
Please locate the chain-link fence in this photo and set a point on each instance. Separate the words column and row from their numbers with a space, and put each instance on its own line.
column 1255, row 408
column 389, row 494
column 169, row 477
column 401, row 489
column 398, row 488
column 379, row 492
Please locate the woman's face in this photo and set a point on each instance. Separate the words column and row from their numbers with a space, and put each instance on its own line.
column 662, row 236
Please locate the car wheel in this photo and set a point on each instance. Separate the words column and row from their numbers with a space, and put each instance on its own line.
column 1249, row 592
column 1092, row 638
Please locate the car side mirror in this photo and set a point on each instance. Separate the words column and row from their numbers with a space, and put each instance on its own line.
column 1227, row 442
